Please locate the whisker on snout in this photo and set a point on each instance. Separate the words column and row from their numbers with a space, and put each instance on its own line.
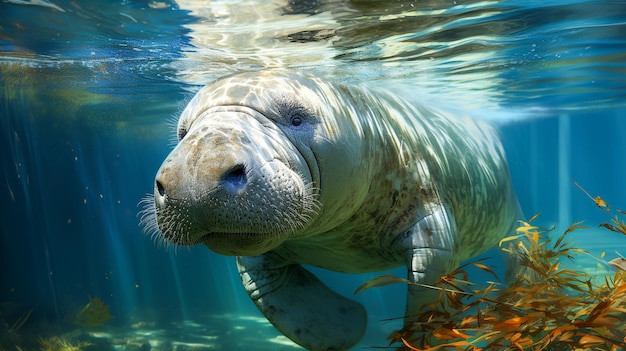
column 148, row 220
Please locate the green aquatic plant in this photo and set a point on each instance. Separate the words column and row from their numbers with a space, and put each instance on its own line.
column 95, row 313
column 16, row 323
column 60, row 344
column 547, row 307
column 21, row 321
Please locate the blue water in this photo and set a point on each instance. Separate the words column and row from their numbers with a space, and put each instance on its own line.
column 89, row 90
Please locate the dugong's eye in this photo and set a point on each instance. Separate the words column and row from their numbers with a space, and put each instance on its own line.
column 181, row 133
column 296, row 118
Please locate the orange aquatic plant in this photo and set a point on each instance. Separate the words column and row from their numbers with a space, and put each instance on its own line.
column 616, row 224
column 547, row 307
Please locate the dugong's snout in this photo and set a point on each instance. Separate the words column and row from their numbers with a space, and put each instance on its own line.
column 234, row 183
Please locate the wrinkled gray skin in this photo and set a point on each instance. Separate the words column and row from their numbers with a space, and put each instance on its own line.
column 282, row 170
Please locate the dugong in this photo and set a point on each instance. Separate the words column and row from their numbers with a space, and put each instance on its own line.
column 280, row 170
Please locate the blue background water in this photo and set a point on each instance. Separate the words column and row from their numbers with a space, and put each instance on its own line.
column 89, row 89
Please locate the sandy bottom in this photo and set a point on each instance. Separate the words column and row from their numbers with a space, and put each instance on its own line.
column 224, row 332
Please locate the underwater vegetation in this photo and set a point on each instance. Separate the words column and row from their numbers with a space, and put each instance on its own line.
column 616, row 224
column 94, row 314
column 60, row 344
column 17, row 324
column 12, row 321
column 546, row 307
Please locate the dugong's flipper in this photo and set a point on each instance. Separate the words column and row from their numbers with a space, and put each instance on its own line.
column 299, row 305
column 429, row 250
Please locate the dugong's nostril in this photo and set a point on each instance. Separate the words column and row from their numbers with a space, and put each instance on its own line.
column 160, row 188
column 235, row 178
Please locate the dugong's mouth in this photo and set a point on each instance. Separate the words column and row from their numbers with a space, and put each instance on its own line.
column 241, row 243
column 211, row 235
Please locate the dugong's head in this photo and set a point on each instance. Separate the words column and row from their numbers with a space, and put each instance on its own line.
column 261, row 158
